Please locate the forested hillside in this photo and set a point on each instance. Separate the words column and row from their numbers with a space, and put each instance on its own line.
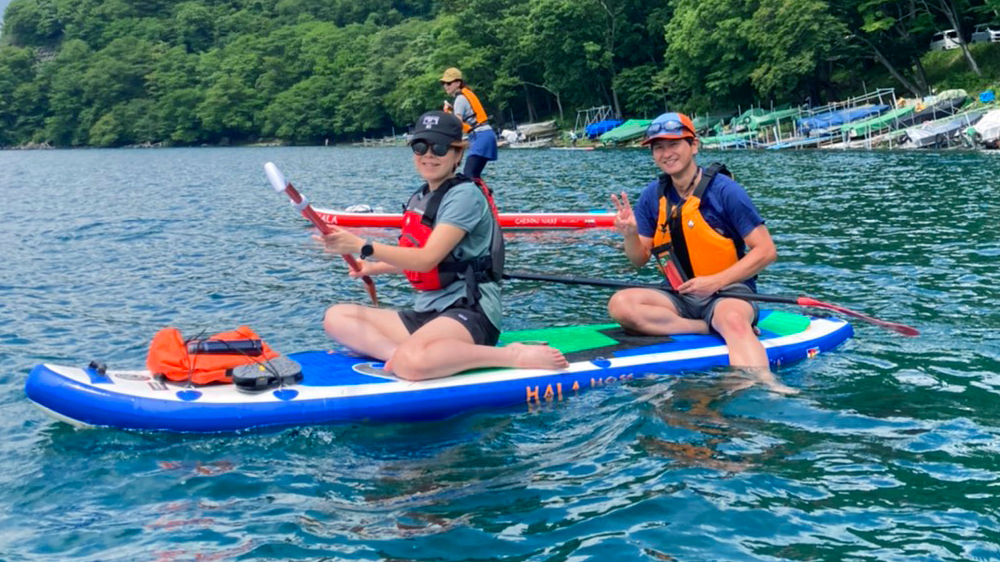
column 120, row 72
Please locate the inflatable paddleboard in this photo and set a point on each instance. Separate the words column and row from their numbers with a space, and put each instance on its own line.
column 508, row 221
column 339, row 387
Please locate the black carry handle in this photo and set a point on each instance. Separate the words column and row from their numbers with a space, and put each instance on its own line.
column 248, row 347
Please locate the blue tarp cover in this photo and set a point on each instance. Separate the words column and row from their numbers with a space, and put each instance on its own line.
column 595, row 130
column 839, row 117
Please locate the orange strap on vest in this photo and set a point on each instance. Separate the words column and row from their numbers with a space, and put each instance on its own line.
column 169, row 356
column 684, row 244
column 477, row 108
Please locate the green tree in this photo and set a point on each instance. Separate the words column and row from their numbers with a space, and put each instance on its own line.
column 890, row 30
column 734, row 50
column 63, row 77
column 227, row 112
column 708, row 58
column 32, row 23
column 302, row 113
column 789, row 39
column 21, row 102
column 641, row 95
column 955, row 12
column 194, row 26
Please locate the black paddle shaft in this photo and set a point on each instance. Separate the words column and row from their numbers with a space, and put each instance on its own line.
column 800, row 301
column 524, row 276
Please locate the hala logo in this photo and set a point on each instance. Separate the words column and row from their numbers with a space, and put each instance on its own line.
column 430, row 121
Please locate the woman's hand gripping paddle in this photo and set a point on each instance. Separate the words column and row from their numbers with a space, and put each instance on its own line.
column 301, row 204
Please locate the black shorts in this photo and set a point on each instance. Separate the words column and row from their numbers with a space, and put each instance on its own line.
column 702, row 308
column 483, row 331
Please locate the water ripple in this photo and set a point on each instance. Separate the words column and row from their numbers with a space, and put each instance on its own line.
column 889, row 453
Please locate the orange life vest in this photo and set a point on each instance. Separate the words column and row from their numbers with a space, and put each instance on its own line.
column 684, row 244
column 477, row 108
column 419, row 218
column 169, row 356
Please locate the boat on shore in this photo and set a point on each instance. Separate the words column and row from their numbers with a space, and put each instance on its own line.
column 747, row 139
column 986, row 132
column 893, row 119
column 935, row 107
column 942, row 133
column 530, row 135
column 627, row 131
column 826, row 124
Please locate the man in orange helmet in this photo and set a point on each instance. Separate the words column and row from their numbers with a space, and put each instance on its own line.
column 707, row 236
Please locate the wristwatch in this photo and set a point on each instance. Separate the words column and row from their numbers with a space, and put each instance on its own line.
column 367, row 250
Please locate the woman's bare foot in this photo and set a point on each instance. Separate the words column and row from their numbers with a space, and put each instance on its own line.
column 537, row 357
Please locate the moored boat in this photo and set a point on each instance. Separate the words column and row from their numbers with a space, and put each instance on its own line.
column 627, row 131
column 986, row 132
column 941, row 133
column 825, row 124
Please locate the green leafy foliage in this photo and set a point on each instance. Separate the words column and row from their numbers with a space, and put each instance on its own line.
column 123, row 72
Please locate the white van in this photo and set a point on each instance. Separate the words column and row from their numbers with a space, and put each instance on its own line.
column 986, row 33
column 944, row 40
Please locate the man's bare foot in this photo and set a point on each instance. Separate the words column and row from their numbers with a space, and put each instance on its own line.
column 537, row 357
column 764, row 376
column 735, row 383
column 774, row 386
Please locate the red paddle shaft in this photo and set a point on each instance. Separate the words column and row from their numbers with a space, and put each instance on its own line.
column 303, row 206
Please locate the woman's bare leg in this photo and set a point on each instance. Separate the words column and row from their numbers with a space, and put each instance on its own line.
column 443, row 347
column 370, row 331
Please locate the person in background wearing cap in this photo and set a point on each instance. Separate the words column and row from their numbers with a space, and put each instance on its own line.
column 451, row 250
column 707, row 236
column 482, row 139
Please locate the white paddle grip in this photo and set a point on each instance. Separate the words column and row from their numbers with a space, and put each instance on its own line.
column 275, row 176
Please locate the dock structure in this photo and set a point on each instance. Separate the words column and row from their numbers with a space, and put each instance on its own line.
column 798, row 127
column 394, row 140
column 591, row 115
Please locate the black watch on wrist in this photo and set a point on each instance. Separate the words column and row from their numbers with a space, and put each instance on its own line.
column 367, row 250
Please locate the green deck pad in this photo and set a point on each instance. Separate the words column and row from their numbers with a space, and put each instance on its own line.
column 784, row 323
column 566, row 339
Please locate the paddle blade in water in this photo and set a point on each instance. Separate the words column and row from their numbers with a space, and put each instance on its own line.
column 900, row 328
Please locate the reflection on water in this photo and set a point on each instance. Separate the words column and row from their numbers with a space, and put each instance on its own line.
column 889, row 452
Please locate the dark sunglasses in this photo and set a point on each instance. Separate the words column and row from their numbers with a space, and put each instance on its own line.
column 420, row 148
column 671, row 127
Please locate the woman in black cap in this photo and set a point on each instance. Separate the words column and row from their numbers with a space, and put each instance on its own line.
column 451, row 250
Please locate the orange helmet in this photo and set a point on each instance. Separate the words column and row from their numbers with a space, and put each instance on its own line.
column 670, row 126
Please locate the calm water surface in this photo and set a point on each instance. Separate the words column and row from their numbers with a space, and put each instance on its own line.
column 890, row 452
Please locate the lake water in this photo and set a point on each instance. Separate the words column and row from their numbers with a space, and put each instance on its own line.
column 890, row 452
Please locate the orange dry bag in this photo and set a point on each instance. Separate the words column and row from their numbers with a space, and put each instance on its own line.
column 208, row 360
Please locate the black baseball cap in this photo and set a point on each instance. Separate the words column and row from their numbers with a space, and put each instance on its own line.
column 437, row 127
